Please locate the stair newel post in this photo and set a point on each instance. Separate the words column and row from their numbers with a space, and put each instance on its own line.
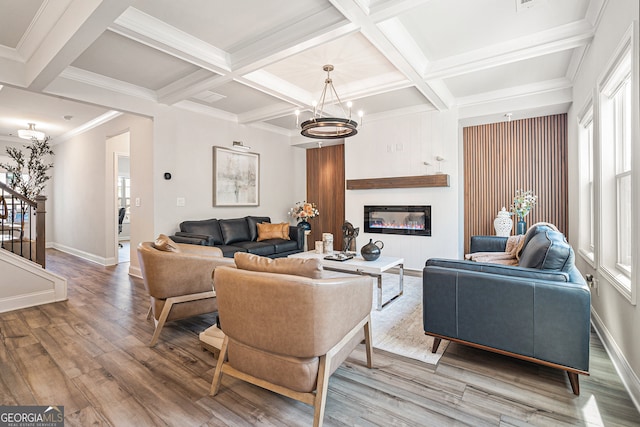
column 40, row 230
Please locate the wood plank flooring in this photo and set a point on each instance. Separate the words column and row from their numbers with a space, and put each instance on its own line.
column 90, row 354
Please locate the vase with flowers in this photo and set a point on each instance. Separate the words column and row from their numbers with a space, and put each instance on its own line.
column 523, row 202
column 303, row 211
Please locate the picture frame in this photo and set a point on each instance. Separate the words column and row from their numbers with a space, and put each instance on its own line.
column 236, row 178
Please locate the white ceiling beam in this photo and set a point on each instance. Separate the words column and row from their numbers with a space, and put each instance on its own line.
column 159, row 35
column 291, row 39
column 78, row 27
column 557, row 39
column 440, row 99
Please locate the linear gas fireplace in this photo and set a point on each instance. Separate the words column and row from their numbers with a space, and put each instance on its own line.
column 407, row 220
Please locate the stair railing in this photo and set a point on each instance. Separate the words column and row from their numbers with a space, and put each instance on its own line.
column 18, row 231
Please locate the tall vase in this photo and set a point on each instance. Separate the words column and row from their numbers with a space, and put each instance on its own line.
column 521, row 226
column 503, row 223
column 304, row 224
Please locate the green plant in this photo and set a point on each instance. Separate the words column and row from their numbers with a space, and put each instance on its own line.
column 523, row 202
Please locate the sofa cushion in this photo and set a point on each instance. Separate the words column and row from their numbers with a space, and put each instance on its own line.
column 234, row 230
column 164, row 243
column 208, row 227
column 282, row 245
column 547, row 250
column 252, row 222
column 229, row 250
column 258, row 248
column 273, row 231
column 310, row 267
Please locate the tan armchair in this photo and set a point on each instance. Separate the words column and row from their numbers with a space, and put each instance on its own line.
column 288, row 333
column 179, row 283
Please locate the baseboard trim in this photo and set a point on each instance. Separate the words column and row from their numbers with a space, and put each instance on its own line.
column 81, row 254
column 135, row 272
column 629, row 378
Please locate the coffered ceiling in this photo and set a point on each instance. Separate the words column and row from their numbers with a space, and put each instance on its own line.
column 255, row 62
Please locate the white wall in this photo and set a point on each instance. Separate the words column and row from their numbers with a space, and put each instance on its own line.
column 176, row 141
column 616, row 319
column 82, row 212
column 399, row 147
column 183, row 146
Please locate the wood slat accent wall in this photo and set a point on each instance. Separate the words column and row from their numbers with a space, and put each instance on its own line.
column 499, row 158
column 325, row 187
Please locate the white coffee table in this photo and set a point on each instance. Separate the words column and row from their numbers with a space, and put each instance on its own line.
column 359, row 265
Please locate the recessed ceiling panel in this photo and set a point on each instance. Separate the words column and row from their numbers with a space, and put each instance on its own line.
column 120, row 58
column 442, row 28
column 355, row 61
column 388, row 101
column 231, row 24
column 15, row 17
column 236, row 98
column 540, row 69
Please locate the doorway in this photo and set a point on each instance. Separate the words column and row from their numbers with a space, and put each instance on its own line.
column 119, row 215
column 123, row 205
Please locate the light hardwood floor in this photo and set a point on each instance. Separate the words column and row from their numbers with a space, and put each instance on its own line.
column 90, row 354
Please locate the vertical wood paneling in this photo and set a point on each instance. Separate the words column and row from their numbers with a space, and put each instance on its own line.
column 326, row 188
column 499, row 158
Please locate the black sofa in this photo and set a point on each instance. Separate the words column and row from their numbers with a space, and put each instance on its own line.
column 537, row 311
column 239, row 235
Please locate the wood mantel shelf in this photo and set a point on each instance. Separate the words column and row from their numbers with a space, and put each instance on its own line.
column 438, row 180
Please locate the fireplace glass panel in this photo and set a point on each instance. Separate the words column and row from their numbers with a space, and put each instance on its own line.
column 405, row 220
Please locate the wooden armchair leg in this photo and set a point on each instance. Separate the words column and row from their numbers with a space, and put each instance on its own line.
column 150, row 312
column 217, row 375
column 321, row 391
column 575, row 382
column 368, row 343
column 161, row 321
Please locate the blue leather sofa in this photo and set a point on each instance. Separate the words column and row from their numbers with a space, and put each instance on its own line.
column 537, row 311
column 239, row 235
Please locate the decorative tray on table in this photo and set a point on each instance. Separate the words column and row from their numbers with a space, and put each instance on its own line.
column 339, row 257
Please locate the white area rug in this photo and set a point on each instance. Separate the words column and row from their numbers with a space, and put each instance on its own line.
column 398, row 327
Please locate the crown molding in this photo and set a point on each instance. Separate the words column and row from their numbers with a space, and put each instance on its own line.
column 104, row 118
column 515, row 92
column 114, row 85
column 206, row 110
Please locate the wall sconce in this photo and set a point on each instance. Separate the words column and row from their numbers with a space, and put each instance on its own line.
column 239, row 146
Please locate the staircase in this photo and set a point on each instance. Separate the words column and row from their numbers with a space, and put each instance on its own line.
column 24, row 281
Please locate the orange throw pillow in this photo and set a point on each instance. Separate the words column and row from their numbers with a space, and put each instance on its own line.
column 267, row 231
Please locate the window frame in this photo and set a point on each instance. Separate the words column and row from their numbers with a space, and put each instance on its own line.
column 609, row 83
column 587, row 176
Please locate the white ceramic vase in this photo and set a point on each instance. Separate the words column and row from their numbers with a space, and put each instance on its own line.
column 503, row 223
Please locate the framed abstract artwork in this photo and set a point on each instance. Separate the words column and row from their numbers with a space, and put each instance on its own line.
column 236, row 178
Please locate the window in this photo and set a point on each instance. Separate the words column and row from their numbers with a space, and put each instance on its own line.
column 124, row 196
column 617, row 109
column 587, row 195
